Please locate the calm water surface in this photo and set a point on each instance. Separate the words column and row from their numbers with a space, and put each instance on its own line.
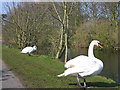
column 108, row 57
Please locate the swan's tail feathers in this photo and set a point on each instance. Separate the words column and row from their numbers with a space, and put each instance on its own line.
column 61, row 75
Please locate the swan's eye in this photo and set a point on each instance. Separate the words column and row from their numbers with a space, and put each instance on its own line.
column 99, row 43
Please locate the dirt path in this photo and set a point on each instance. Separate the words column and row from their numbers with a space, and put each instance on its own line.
column 7, row 78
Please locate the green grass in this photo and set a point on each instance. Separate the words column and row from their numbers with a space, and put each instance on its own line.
column 41, row 71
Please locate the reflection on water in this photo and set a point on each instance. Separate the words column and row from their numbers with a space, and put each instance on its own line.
column 109, row 58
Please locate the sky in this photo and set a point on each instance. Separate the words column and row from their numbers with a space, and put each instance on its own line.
column 2, row 9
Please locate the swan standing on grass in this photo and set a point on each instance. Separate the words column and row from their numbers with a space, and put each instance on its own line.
column 84, row 66
column 29, row 50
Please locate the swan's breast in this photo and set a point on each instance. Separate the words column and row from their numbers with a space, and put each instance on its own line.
column 98, row 67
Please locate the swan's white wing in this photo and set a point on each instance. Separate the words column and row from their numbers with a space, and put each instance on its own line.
column 27, row 50
column 80, row 61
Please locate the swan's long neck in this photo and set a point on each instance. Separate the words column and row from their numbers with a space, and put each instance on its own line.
column 90, row 50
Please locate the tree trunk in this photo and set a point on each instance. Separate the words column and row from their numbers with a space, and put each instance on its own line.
column 66, row 48
column 65, row 23
column 61, row 42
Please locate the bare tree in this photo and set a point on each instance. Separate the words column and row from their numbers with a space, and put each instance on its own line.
column 64, row 27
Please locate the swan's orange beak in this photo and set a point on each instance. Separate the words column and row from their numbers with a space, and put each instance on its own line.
column 100, row 45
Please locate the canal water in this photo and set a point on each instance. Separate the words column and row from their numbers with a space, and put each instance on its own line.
column 108, row 57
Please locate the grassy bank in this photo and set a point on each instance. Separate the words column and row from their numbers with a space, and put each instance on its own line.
column 41, row 71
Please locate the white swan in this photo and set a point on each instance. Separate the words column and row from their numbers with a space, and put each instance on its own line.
column 84, row 66
column 29, row 50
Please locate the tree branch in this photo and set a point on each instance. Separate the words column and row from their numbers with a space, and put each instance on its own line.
column 56, row 12
column 54, row 16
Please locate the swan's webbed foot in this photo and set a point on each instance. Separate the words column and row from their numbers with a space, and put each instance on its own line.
column 80, row 86
column 85, row 85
